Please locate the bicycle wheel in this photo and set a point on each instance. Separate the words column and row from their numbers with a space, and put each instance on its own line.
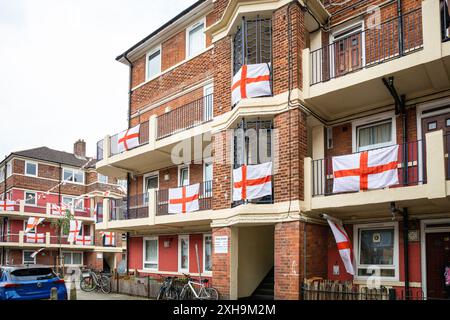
column 186, row 293
column 171, row 294
column 87, row 284
column 105, row 284
column 209, row 294
column 161, row 292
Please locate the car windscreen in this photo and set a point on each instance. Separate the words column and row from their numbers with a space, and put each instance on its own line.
column 30, row 274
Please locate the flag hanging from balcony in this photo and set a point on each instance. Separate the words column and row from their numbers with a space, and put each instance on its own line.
column 7, row 205
column 184, row 199
column 109, row 238
column 35, row 237
column 83, row 240
column 251, row 81
column 252, row 181
column 58, row 210
column 74, row 230
column 343, row 243
column 374, row 169
column 32, row 223
column 128, row 139
column 35, row 253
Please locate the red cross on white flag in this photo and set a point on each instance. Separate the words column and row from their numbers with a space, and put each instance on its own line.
column 58, row 210
column 7, row 205
column 374, row 169
column 251, row 81
column 35, row 237
column 128, row 139
column 252, row 182
column 74, row 230
column 32, row 223
column 110, row 238
column 184, row 199
column 343, row 244
column 83, row 240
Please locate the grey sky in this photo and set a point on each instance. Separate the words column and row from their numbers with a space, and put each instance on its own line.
column 59, row 78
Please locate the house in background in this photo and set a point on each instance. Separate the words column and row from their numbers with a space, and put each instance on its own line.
column 35, row 179
column 343, row 80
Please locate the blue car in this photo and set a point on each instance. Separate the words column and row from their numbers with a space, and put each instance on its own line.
column 30, row 283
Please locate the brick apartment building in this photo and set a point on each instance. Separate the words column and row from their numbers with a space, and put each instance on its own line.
column 346, row 77
column 35, row 179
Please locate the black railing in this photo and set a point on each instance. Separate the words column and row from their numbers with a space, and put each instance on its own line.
column 138, row 208
column 415, row 174
column 186, row 117
column 100, row 150
column 445, row 20
column 205, row 199
column 368, row 47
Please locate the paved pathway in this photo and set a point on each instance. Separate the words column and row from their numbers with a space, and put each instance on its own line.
column 81, row 295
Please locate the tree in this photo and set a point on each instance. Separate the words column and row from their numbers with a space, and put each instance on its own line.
column 62, row 226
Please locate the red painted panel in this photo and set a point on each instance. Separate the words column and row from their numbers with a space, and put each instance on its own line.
column 168, row 257
column 135, row 254
column 193, row 240
column 334, row 257
column 414, row 259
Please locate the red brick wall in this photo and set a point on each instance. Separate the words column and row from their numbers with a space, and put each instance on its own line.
column 221, row 265
column 173, row 50
column 222, row 76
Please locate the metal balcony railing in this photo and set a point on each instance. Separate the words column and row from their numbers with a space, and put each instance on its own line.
column 137, row 209
column 414, row 175
column 205, row 199
column 100, row 150
column 186, row 117
column 368, row 48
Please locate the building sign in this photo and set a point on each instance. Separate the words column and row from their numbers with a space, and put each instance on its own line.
column 221, row 244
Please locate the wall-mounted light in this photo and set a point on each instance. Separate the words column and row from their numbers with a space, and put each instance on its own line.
column 166, row 177
column 167, row 243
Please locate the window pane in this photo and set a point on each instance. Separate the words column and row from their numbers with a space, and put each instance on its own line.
column 196, row 40
column 184, row 176
column 154, row 64
column 31, row 169
column 79, row 204
column 67, row 201
column 67, row 175
column 152, row 182
column 208, row 171
column 8, row 169
column 27, row 259
column 151, row 252
column 363, row 272
column 102, row 178
column 184, row 253
column 76, row 256
column 377, row 247
column 376, row 134
column 79, row 176
column 30, row 198
column 208, row 253
column 67, row 257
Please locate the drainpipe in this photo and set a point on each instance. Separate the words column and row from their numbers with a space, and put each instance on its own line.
column 128, row 211
column 400, row 27
column 129, row 88
column 406, row 250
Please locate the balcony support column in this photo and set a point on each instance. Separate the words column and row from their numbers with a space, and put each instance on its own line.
column 21, row 238
column 436, row 182
column 152, row 206
column 106, row 147
column 106, row 213
column 153, row 129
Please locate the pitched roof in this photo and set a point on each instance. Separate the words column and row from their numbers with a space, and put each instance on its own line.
column 51, row 155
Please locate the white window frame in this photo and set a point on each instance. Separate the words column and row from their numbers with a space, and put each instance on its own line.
column 343, row 30
column 31, row 163
column 181, row 167
column 2, row 174
column 144, row 180
column 71, row 258
column 149, row 53
column 9, row 169
column 357, row 124
column 206, row 272
column 143, row 254
column 65, row 169
column 25, row 197
column 23, row 257
column 180, row 269
column 188, row 30
column 206, row 88
column 356, row 245
column 73, row 199
column 99, row 176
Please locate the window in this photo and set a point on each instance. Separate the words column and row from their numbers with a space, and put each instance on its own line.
column 77, row 203
column 27, row 259
column 432, row 125
column 207, row 253
column 196, row 40
column 377, row 250
column 9, row 169
column 30, row 197
column 375, row 135
column 208, row 177
column 73, row 175
column 329, row 138
column 31, row 169
column 2, row 174
column 73, row 258
column 183, row 253
column 208, row 92
column 102, row 178
column 151, row 182
column 183, row 176
column 153, row 63
column 151, row 253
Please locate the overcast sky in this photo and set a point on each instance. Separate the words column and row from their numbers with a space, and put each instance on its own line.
column 59, row 80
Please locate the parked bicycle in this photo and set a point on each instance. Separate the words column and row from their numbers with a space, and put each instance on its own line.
column 197, row 290
column 91, row 281
column 168, row 290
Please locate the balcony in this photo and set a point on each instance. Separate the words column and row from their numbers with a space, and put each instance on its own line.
column 408, row 48
column 151, row 209
column 423, row 185
column 157, row 137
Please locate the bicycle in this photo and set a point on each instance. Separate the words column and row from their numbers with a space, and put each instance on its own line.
column 168, row 291
column 91, row 281
column 204, row 293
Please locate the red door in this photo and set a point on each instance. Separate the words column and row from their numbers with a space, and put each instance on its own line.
column 438, row 257
column 348, row 54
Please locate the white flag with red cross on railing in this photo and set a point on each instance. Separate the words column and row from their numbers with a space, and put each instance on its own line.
column 128, row 139
column 251, row 81
column 74, row 230
column 373, row 169
column 252, row 181
column 7, row 205
column 184, row 199
column 32, row 223
column 83, row 240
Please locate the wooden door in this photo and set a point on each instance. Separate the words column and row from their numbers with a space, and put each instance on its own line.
column 348, row 54
column 438, row 257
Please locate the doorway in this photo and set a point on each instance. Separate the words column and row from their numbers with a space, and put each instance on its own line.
column 437, row 259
